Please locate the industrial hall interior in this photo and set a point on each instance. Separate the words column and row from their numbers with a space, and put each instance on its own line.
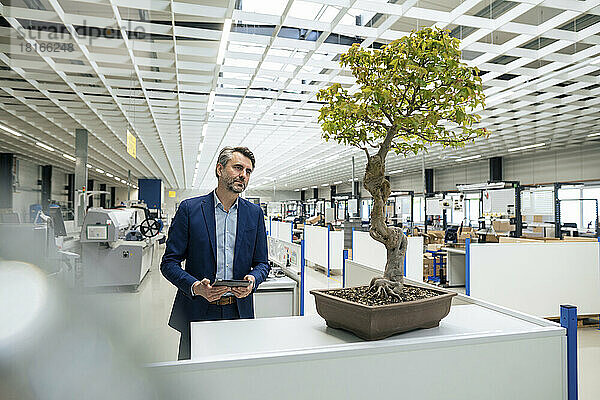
column 299, row 199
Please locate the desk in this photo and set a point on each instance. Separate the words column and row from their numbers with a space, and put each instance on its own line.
column 484, row 351
column 276, row 297
column 437, row 266
column 455, row 269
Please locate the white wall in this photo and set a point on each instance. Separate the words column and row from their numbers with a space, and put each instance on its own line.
column 580, row 162
column 29, row 192
column 121, row 194
column 280, row 195
column 27, row 189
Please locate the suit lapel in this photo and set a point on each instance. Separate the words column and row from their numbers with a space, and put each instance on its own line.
column 208, row 210
column 242, row 222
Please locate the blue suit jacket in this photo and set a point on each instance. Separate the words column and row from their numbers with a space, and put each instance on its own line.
column 192, row 238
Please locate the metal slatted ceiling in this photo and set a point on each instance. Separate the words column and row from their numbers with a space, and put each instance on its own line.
column 154, row 70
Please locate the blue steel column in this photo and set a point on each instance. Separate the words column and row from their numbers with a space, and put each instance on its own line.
column 302, row 265
column 568, row 320
column 468, row 266
column 328, row 255
column 344, row 269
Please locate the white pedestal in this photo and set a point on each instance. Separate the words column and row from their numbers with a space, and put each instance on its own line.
column 479, row 351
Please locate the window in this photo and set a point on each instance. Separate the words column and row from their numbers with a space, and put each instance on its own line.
column 570, row 211
column 589, row 207
column 418, row 209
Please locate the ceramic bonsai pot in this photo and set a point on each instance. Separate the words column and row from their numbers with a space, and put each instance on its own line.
column 379, row 322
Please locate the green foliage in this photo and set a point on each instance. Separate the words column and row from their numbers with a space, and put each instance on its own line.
column 414, row 91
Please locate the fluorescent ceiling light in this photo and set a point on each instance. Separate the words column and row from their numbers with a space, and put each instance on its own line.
column 88, row 165
column 531, row 146
column 99, row 170
column 304, row 188
column 109, row 175
column 469, row 158
column 69, row 157
column 10, row 130
column 325, row 184
column 296, row 190
column 594, row 134
column 224, row 40
column 396, row 171
column 337, row 183
column 44, row 146
column 314, row 187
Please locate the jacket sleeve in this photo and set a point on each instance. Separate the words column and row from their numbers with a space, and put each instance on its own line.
column 176, row 252
column 260, row 259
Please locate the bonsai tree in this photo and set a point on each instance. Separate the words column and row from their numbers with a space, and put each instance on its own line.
column 413, row 93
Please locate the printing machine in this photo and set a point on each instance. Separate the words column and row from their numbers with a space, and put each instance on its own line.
column 116, row 249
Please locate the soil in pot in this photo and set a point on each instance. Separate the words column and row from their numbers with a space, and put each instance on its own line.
column 361, row 295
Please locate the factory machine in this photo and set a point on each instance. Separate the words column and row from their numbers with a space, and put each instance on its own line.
column 117, row 246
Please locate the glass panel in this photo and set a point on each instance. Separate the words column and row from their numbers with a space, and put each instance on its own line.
column 589, row 207
column 570, row 212
column 473, row 211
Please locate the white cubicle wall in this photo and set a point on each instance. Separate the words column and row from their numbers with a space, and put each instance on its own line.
column 315, row 245
column 536, row 278
column 369, row 252
column 324, row 247
column 281, row 230
column 502, row 354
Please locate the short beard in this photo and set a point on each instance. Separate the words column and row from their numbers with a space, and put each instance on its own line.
column 229, row 183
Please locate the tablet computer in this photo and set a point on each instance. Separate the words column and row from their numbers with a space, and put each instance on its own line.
column 232, row 283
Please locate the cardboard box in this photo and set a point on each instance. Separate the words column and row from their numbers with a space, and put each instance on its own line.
column 538, row 218
column 506, row 239
column 436, row 236
column 579, row 239
column 491, row 238
column 314, row 220
column 501, row 226
column 435, row 246
column 464, row 235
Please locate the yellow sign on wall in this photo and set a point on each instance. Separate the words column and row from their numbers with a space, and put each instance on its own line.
column 131, row 144
column 172, row 193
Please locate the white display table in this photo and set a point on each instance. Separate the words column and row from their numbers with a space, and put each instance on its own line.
column 456, row 266
column 276, row 297
column 479, row 351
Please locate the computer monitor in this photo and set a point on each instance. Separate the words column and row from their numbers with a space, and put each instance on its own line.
column 57, row 219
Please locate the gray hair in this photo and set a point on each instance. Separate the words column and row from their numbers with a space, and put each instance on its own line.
column 226, row 154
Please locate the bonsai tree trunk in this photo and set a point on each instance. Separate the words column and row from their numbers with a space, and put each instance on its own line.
column 394, row 240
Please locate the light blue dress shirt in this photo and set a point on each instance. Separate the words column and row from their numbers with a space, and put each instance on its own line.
column 226, row 228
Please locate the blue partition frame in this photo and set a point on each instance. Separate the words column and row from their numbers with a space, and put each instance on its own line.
column 328, row 252
column 568, row 320
column 468, row 266
column 344, row 268
column 302, row 267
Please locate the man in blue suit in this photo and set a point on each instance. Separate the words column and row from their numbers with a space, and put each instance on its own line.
column 220, row 236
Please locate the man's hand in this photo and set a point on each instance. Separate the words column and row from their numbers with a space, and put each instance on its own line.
column 204, row 289
column 241, row 291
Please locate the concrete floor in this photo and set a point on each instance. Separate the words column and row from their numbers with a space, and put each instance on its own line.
column 144, row 314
